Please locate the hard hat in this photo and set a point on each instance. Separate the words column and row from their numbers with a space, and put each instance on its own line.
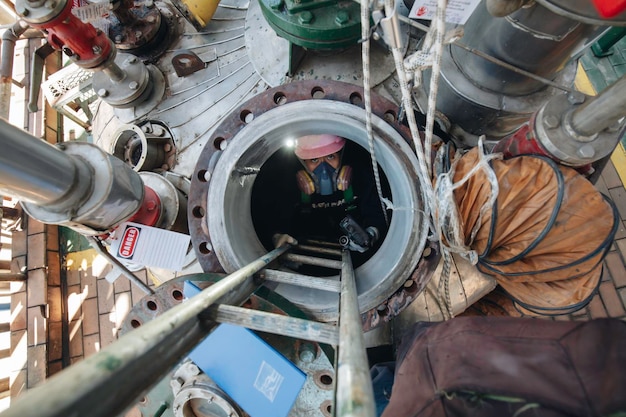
column 317, row 146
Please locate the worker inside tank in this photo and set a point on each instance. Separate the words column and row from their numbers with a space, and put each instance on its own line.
column 336, row 197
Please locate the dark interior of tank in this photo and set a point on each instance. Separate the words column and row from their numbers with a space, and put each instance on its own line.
column 276, row 197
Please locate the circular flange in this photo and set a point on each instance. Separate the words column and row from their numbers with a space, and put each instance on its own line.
column 37, row 12
column 128, row 92
column 173, row 203
column 219, row 209
column 314, row 25
column 272, row 63
column 553, row 130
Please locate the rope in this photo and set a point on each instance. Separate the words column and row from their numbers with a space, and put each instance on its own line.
column 440, row 28
column 365, row 51
column 426, row 188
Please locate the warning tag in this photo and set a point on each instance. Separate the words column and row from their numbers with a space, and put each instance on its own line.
column 457, row 12
column 149, row 246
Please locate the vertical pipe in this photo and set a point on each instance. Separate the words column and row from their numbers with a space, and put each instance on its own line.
column 355, row 394
column 107, row 383
column 9, row 37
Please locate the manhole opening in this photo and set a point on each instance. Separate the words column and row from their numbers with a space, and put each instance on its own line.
column 277, row 205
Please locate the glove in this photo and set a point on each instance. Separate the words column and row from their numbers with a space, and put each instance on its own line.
column 374, row 235
column 280, row 239
column 366, row 244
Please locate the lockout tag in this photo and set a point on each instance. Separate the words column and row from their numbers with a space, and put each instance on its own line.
column 149, row 246
column 457, row 12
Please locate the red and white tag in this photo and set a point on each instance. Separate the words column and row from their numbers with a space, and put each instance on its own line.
column 150, row 246
column 457, row 12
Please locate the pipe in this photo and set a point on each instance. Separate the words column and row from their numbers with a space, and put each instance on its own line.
column 355, row 394
column 10, row 277
column 602, row 111
column 80, row 186
column 33, row 170
column 9, row 37
column 36, row 67
column 107, row 383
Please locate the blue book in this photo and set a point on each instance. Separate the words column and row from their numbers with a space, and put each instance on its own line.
column 261, row 380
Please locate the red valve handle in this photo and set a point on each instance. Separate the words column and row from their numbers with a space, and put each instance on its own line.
column 610, row 8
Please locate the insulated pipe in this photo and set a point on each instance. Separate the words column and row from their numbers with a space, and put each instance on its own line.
column 32, row 169
column 355, row 393
column 107, row 383
column 602, row 111
column 80, row 186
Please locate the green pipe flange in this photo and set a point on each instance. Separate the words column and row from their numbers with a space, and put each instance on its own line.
column 314, row 24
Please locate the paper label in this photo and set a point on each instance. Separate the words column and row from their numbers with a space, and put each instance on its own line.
column 457, row 12
column 149, row 246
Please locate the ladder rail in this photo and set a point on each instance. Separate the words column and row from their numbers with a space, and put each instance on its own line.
column 107, row 383
column 117, row 375
column 354, row 393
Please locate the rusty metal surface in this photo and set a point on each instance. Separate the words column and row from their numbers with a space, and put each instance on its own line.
column 406, row 294
column 186, row 63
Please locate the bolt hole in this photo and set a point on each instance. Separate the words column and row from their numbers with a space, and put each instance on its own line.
column 205, row 248
column 327, row 408
column 202, row 175
column 390, row 116
column 178, row 295
column 326, row 379
column 217, row 142
column 198, row 212
column 356, row 99
column 151, row 305
column 410, row 286
column 382, row 310
column 135, row 323
column 280, row 98
column 318, row 92
column 246, row 116
column 143, row 400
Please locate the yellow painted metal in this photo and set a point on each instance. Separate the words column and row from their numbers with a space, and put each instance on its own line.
column 618, row 157
column 200, row 12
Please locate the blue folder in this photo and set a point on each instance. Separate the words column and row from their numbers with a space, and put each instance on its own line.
column 261, row 380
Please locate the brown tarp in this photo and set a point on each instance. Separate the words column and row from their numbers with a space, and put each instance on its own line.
column 504, row 366
column 546, row 236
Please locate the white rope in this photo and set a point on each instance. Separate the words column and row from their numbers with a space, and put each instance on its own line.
column 365, row 51
column 440, row 208
column 439, row 32
column 447, row 218
column 426, row 188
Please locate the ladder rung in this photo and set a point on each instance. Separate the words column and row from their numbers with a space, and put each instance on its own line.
column 275, row 323
column 312, row 260
column 306, row 281
column 317, row 249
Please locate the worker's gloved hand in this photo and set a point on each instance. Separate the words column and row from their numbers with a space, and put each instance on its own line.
column 364, row 245
column 359, row 240
column 279, row 239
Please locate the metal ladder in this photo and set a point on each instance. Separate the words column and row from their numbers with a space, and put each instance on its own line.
column 106, row 383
